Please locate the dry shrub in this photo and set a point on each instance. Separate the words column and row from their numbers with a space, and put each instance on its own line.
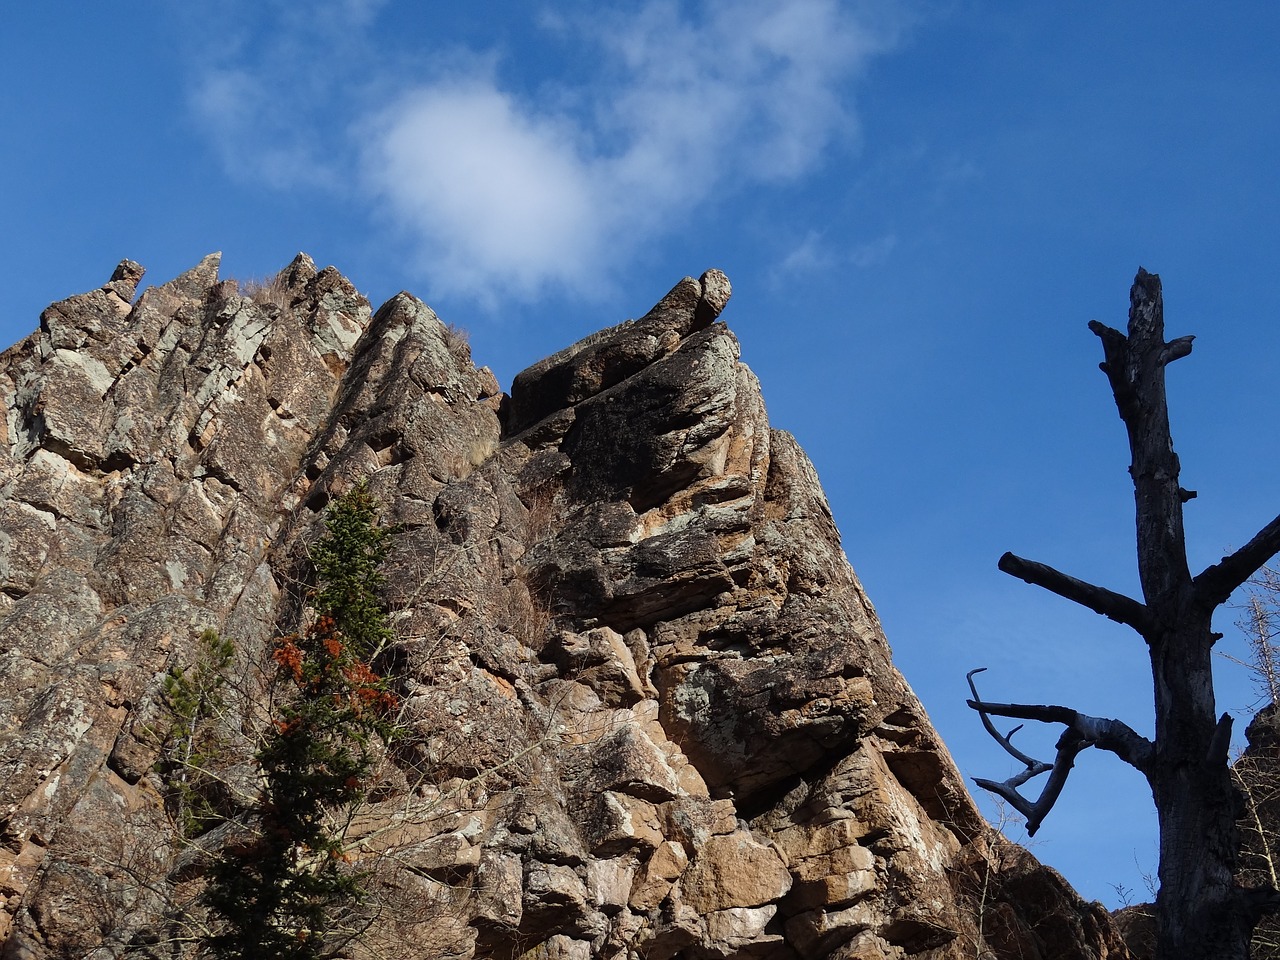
column 268, row 291
column 543, row 510
column 458, row 342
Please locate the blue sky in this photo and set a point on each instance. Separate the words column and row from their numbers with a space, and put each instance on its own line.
column 920, row 205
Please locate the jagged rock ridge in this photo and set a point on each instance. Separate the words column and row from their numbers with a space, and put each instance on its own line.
column 653, row 712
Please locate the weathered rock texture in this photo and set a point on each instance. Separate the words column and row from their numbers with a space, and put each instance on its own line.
column 653, row 712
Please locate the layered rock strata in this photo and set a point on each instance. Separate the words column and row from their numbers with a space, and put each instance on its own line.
column 651, row 711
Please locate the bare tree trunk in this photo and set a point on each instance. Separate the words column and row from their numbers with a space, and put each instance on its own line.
column 1201, row 913
column 1197, row 907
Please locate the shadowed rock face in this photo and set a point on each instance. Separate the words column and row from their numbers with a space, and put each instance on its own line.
column 651, row 711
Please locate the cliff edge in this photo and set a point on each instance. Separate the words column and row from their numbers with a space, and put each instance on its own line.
column 651, row 711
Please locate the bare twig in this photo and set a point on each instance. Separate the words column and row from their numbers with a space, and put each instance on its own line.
column 1034, row 767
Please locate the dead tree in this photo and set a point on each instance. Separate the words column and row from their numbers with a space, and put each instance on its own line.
column 1201, row 913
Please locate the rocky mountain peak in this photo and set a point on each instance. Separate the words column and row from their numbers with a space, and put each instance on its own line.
column 650, row 710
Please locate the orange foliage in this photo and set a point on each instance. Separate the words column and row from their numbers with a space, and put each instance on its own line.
column 289, row 657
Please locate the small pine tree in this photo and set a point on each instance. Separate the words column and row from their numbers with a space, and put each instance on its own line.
column 348, row 563
column 279, row 897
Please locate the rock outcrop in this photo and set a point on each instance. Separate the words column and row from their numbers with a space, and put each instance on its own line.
column 652, row 712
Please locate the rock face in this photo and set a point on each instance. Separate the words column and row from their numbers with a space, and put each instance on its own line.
column 652, row 711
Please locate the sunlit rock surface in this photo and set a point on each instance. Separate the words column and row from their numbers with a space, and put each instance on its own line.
column 652, row 711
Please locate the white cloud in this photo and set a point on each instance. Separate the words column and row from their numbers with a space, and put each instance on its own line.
column 496, row 196
column 508, row 189
column 274, row 95
column 504, row 197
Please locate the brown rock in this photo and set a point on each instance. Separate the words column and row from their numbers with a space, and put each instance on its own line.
column 649, row 710
column 734, row 871
column 617, row 822
column 658, row 876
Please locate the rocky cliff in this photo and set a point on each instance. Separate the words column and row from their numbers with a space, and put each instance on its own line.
column 651, row 711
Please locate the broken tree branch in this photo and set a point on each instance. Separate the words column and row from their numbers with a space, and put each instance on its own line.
column 1217, row 582
column 1176, row 350
column 1081, row 731
column 1218, row 753
column 1114, row 606
column 1115, row 362
column 1114, row 736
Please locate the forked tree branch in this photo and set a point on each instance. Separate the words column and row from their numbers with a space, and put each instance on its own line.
column 1081, row 731
column 1114, row 606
